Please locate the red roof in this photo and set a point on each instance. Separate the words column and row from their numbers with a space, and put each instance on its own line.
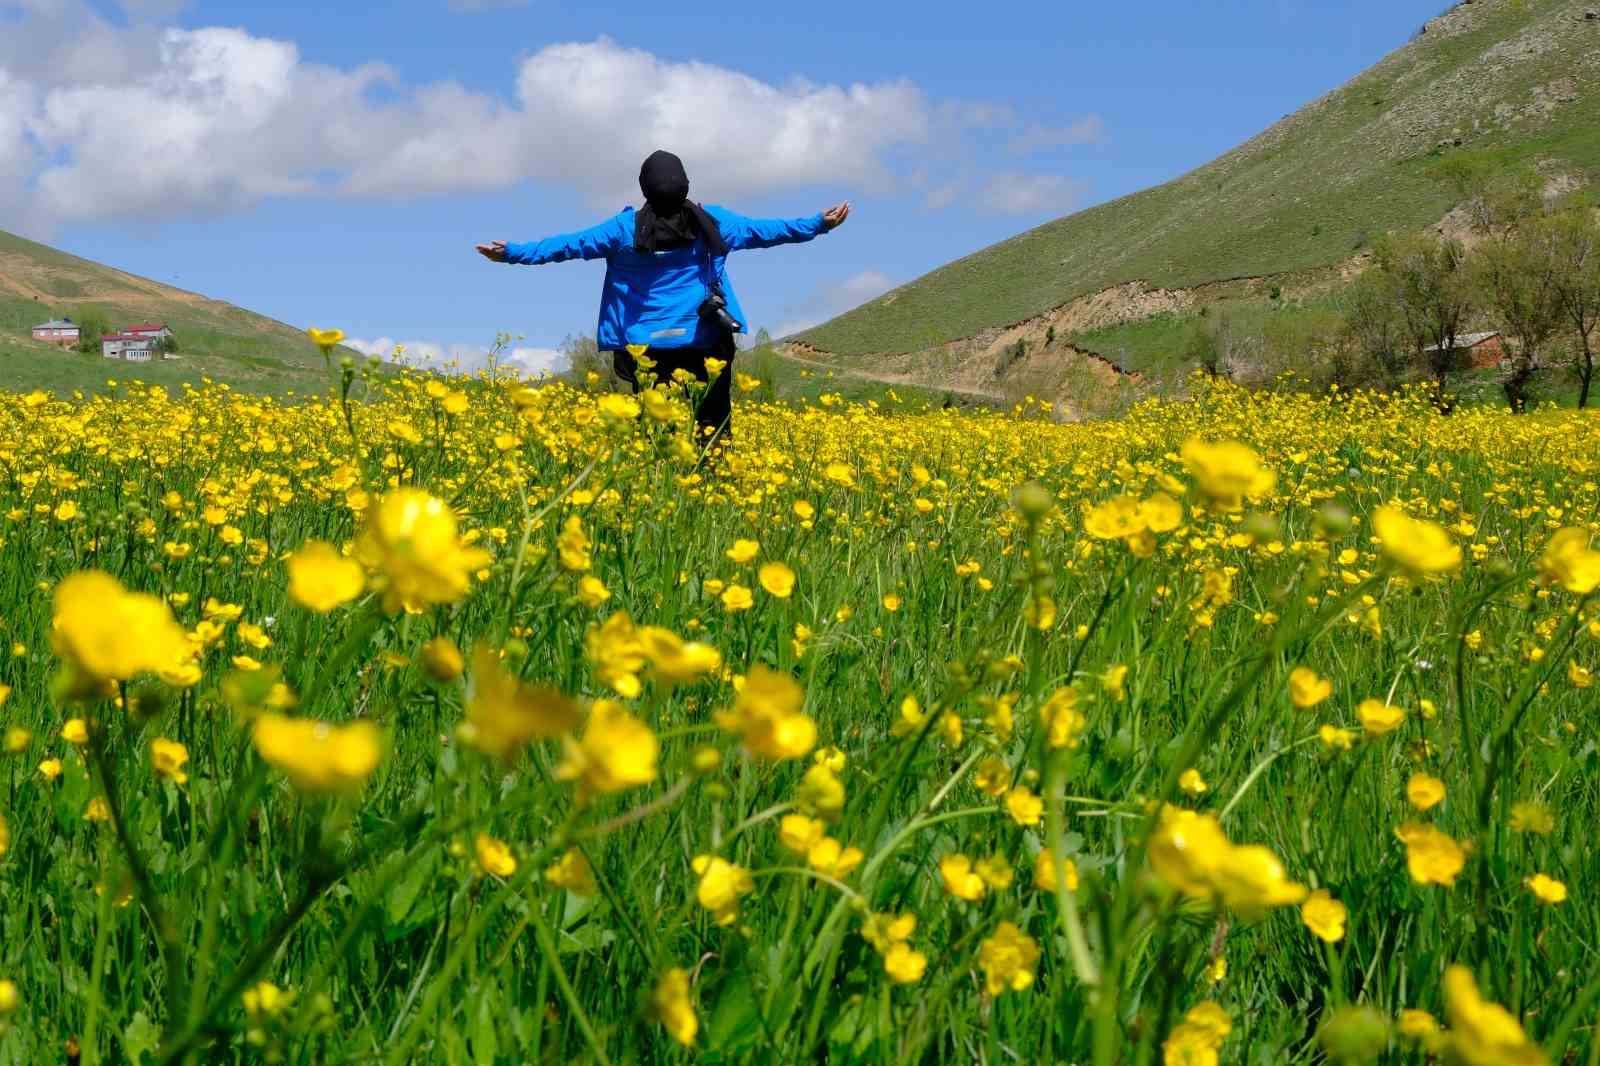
column 123, row 336
column 145, row 327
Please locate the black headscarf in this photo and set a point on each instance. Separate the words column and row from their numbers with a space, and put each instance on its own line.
column 669, row 219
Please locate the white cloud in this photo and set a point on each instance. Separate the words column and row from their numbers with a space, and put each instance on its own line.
column 831, row 299
column 459, row 357
column 1037, row 137
column 143, row 122
column 1014, row 192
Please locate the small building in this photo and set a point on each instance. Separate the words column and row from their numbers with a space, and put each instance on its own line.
column 62, row 332
column 1477, row 351
column 127, row 346
column 151, row 330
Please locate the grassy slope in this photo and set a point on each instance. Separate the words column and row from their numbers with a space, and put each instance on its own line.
column 216, row 339
column 1307, row 193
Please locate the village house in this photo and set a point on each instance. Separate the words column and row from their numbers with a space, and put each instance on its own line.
column 127, row 346
column 1477, row 351
column 62, row 332
column 155, row 331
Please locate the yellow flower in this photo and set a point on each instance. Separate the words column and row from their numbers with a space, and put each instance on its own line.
column 1335, row 738
column 1064, row 723
column 616, row 752
column 326, row 339
column 617, row 407
column 98, row 810
column 1115, row 519
column 1417, row 1025
column 441, row 659
column 592, row 592
column 674, row 661
column 1378, row 718
column 960, row 880
column 1424, row 791
column 1250, row 879
column 721, row 886
column 743, row 551
column 503, row 714
column 1161, row 513
column 1580, row 677
column 169, row 757
column 573, row 873
column 50, row 769
column 995, row 871
column 892, row 602
column 617, row 650
column 1568, row 561
column 993, row 776
column 1546, row 889
column 1192, row 783
column 1044, row 872
column 1432, row 857
column 1483, row 1033
column 1186, row 850
column 318, row 756
column 1112, row 681
column 903, row 964
column 800, row 834
column 75, row 731
column 411, row 538
column 832, row 859
column 1306, row 689
column 777, row 579
column 1197, row 1039
column 1227, row 473
column 494, row 857
column 671, row 1006
column 17, row 740
column 1417, row 546
column 108, row 632
column 1324, row 916
column 821, row 792
column 9, row 998
column 1526, row 817
column 767, row 716
column 322, row 579
column 737, row 598
column 1025, row 807
column 573, row 544
column 1007, row 959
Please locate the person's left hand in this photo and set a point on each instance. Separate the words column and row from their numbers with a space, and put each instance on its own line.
column 494, row 251
column 834, row 216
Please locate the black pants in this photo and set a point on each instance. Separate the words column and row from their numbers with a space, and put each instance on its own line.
column 713, row 415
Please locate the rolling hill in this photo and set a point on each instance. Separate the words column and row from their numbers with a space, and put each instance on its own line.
column 216, row 339
column 1499, row 83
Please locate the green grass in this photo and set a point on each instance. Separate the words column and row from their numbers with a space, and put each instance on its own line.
column 1307, row 194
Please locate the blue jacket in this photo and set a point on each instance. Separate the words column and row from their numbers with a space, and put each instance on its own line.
column 654, row 299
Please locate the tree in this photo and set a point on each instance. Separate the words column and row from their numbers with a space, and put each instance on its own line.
column 1426, row 282
column 1575, row 246
column 583, row 357
column 1372, row 326
column 91, row 326
column 1516, row 272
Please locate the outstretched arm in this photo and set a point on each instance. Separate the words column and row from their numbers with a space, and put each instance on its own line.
column 740, row 232
column 597, row 242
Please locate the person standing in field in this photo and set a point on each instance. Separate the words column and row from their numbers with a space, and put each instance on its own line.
column 666, row 287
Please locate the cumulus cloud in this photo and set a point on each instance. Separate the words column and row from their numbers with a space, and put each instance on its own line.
column 459, row 357
column 1037, row 137
column 1013, row 192
column 140, row 121
column 833, row 298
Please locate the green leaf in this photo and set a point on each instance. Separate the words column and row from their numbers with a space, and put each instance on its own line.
column 140, row 1037
column 404, row 892
column 735, row 1021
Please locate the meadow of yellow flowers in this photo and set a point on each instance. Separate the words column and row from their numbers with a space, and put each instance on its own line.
column 487, row 721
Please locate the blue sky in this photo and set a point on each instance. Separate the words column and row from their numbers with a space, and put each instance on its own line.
column 333, row 163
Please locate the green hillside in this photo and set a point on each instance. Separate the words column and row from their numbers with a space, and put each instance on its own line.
column 215, row 339
column 1501, row 82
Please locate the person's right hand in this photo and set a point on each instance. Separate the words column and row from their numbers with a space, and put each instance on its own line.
column 834, row 216
column 494, row 251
